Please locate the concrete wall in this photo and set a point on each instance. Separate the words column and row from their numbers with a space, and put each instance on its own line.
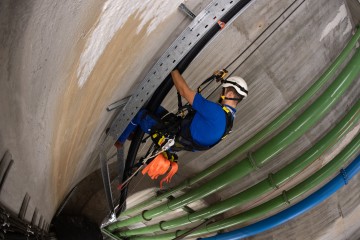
column 64, row 62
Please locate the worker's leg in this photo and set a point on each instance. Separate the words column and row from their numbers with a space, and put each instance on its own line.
column 132, row 125
column 146, row 122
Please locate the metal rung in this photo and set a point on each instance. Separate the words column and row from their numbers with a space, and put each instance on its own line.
column 5, row 166
column 24, row 206
column 106, row 181
column 40, row 221
column 34, row 217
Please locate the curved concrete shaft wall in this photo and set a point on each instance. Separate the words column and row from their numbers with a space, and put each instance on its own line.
column 63, row 62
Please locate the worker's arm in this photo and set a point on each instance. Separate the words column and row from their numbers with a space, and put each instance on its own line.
column 182, row 86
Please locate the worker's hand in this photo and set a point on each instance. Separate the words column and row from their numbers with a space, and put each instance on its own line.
column 182, row 87
column 176, row 71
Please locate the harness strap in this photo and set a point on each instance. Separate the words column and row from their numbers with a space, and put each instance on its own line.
column 179, row 101
column 218, row 75
column 184, row 140
column 235, row 99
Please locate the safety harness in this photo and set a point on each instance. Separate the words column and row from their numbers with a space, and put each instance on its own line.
column 184, row 140
column 177, row 126
column 172, row 134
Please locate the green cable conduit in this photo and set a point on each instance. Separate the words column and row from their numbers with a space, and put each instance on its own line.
column 256, row 139
column 255, row 160
column 282, row 200
column 271, row 183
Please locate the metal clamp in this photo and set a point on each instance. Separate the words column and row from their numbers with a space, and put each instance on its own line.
column 285, row 197
column 252, row 161
column 161, row 227
column 345, row 176
column 143, row 216
column 272, row 182
column 187, row 11
column 168, row 144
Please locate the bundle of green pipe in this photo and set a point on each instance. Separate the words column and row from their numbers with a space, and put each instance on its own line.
column 313, row 114
column 261, row 135
column 273, row 182
column 285, row 199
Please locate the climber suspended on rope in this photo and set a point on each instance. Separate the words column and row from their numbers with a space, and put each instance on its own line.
column 197, row 126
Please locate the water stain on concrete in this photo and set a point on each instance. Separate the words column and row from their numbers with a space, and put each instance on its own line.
column 80, row 109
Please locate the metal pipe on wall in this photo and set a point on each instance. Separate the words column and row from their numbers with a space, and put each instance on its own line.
column 287, row 136
column 282, row 200
column 261, row 135
column 305, row 205
column 273, row 182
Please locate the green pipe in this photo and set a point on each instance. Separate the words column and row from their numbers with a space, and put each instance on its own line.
column 288, row 196
column 282, row 200
column 261, row 135
column 265, row 186
column 289, row 135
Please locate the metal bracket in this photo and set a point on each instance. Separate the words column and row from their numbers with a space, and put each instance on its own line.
column 110, row 219
column 285, row 197
column 272, row 181
column 106, row 181
column 24, row 206
column 252, row 161
column 183, row 8
column 40, row 221
column 34, row 217
column 118, row 104
column 345, row 176
column 5, row 166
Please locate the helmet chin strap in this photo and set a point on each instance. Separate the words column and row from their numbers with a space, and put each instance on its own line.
column 222, row 97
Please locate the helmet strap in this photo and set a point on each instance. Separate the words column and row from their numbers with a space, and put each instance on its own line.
column 234, row 99
column 222, row 97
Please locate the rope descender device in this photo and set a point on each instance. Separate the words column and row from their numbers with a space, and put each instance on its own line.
column 218, row 75
column 221, row 74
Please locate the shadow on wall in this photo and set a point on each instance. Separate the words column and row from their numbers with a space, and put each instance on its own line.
column 76, row 228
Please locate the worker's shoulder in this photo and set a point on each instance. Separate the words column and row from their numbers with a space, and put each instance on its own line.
column 206, row 107
column 200, row 100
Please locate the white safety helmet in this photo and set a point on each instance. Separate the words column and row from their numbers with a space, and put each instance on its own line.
column 238, row 83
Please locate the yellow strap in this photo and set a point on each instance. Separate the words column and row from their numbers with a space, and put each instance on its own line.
column 162, row 139
column 226, row 109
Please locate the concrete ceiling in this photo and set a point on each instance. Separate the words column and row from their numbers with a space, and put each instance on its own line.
column 64, row 62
